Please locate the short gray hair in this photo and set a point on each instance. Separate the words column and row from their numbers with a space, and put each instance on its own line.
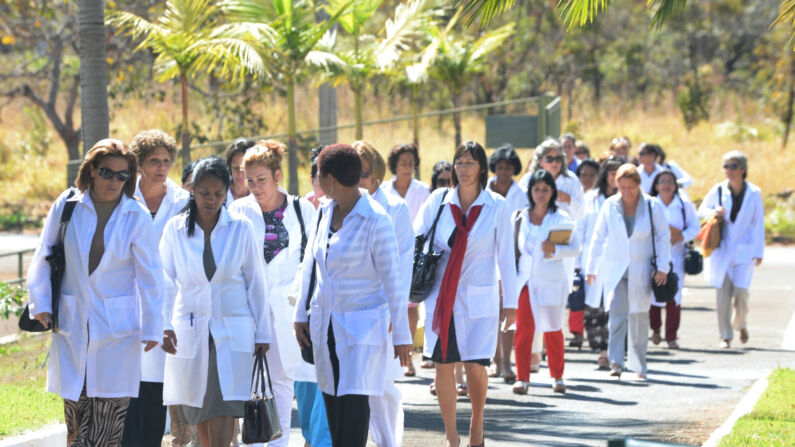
column 542, row 150
column 740, row 158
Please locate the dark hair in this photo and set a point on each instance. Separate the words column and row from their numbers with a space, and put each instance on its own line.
column 399, row 150
column 108, row 147
column 660, row 154
column 438, row 168
column 543, row 176
column 479, row 154
column 342, row 162
column 611, row 164
column 654, row 191
column 239, row 146
column 313, row 154
column 505, row 153
column 187, row 171
column 209, row 166
column 587, row 163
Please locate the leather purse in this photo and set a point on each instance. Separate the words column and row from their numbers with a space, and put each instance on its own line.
column 57, row 261
column 667, row 291
column 307, row 353
column 260, row 419
column 425, row 261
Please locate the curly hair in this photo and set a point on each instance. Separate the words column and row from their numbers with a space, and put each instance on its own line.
column 267, row 152
column 147, row 141
column 400, row 149
column 108, row 147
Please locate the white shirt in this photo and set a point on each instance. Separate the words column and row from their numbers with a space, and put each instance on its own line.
column 647, row 180
column 570, row 184
column 175, row 200
column 416, row 195
column 516, row 197
column 490, row 248
column 104, row 316
column 682, row 177
column 398, row 211
column 358, row 291
column 681, row 214
column 232, row 306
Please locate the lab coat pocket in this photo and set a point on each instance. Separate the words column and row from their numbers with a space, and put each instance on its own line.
column 549, row 293
column 482, row 301
column 187, row 339
column 123, row 316
column 241, row 333
column 365, row 327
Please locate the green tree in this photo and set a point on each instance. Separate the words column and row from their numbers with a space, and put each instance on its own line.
column 175, row 39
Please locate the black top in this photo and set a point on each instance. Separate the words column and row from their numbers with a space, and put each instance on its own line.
column 737, row 202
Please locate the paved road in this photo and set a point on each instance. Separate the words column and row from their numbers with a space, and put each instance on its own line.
column 12, row 242
column 689, row 394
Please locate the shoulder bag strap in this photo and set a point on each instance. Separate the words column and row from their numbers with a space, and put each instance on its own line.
column 720, row 195
column 684, row 217
column 517, row 217
column 653, row 245
column 255, row 378
column 436, row 220
column 66, row 214
column 297, row 207
column 311, row 288
column 268, row 372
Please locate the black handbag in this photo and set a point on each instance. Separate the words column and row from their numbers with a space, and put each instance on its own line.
column 667, row 291
column 577, row 295
column 694, row 262
column 57, row 261
column 424, row 273
column 307, row 353
column 260, row 419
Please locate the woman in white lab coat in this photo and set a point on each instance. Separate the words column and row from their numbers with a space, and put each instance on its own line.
column 622, row 248
column 549, row 157
column 505, row 164
column 219, row 316
column 595, row 315
column 475, row 235
column 238, row 188
column 110, row 295
column 681, row 215
column 358, row 292
column 543, row 280
column 730, row 267
column 281, row 221
column 155, row 152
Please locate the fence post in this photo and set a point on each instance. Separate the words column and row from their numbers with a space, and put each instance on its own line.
column 543, row 125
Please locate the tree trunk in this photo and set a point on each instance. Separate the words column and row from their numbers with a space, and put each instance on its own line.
column 93, row 72
column 357, row 108
column 457, row 118
column 415, row 116
column 788, row 115
column 185, row 133
column 292, row 144
column 327, row 113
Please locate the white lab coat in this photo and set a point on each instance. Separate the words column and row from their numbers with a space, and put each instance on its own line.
column 490, row 248
column 547, row 278
column 690, row 227
column 615, row 253
column 102, row 319
column 569, row 184
column 647, row 180
column 742, row 240
column 593, row 203
column 416, row 195
column 358, row 288
column 232, row 306
column 515, row 199
column 175, row 200
column 682, row 177
column 280, row 274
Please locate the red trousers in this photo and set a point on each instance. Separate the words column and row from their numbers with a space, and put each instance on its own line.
column 672, row 315
column 576, row 321
column 523, row 342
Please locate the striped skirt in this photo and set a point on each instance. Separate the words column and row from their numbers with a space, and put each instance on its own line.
column 95, row 421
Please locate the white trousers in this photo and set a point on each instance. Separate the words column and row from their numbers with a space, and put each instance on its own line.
column 386, row 417
column 726, row 294
column 283, row 392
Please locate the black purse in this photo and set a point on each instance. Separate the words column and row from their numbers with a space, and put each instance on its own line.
column 667, row 291
column 260, row 419
column 577, row 295
column 57, row 261
column 307, row 353
column 424, row 273
column 694, row 262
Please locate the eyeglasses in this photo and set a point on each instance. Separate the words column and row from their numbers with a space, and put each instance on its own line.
column 465, row 165
column 731, row 166
column 553, row 158
column 443, row 182
column 108, row 173
column 666, row 182
column 365, row 174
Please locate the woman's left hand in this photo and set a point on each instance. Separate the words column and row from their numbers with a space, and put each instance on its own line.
column 660, row 278
column 261, row 346
column 149, row 345
column 676, row 237
column 403, row 352
column 757, row 261
column 548, row 247
column 507, row 319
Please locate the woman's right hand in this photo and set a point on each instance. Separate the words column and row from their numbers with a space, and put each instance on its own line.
column 44, row 318
column 302, row 334
column 590, row 279
column 720, row 212
column 170, row 342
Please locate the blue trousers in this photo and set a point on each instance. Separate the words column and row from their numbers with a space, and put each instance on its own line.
column 312, row 414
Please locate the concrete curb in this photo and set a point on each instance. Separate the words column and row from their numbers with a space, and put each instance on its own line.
column 49, row 436
column 745, row 406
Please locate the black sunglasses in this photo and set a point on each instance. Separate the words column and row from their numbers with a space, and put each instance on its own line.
column 731, row 166
column 108, row 173
column 553, row 159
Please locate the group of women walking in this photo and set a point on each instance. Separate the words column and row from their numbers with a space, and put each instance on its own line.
column 171, row 290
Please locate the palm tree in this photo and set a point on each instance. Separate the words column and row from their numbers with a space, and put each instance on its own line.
column 459, row 58
column 277, row 39
column 173, row 37
column 367, row 55
column 93, row 75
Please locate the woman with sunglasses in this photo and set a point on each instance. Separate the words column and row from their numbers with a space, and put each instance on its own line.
column 738, row 203
column 110, row 299
column 684, row 225
column 442, row 176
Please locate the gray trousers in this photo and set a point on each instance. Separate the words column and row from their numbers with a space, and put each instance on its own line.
column 725, row 294
column 622, row 324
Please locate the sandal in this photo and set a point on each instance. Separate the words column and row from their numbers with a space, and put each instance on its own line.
column 672, row 344
column 604, row 363
column 521, row 387
column 509, row 376
column 559, row 386
column 433, row 389
column 656, row 338
column 743, row 335
column 461, row 388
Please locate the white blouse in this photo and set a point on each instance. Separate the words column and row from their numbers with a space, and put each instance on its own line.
column 570, row 184
column 516, row 197
column 416, row 195
column 647, row 180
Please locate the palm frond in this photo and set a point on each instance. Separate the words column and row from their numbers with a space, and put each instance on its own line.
column 486, row 10
column 409, row 20
column 489, row 42
column 231, row 57
column 786, row 17
column 666, row 9
column 579, row 12
column 134, row 25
